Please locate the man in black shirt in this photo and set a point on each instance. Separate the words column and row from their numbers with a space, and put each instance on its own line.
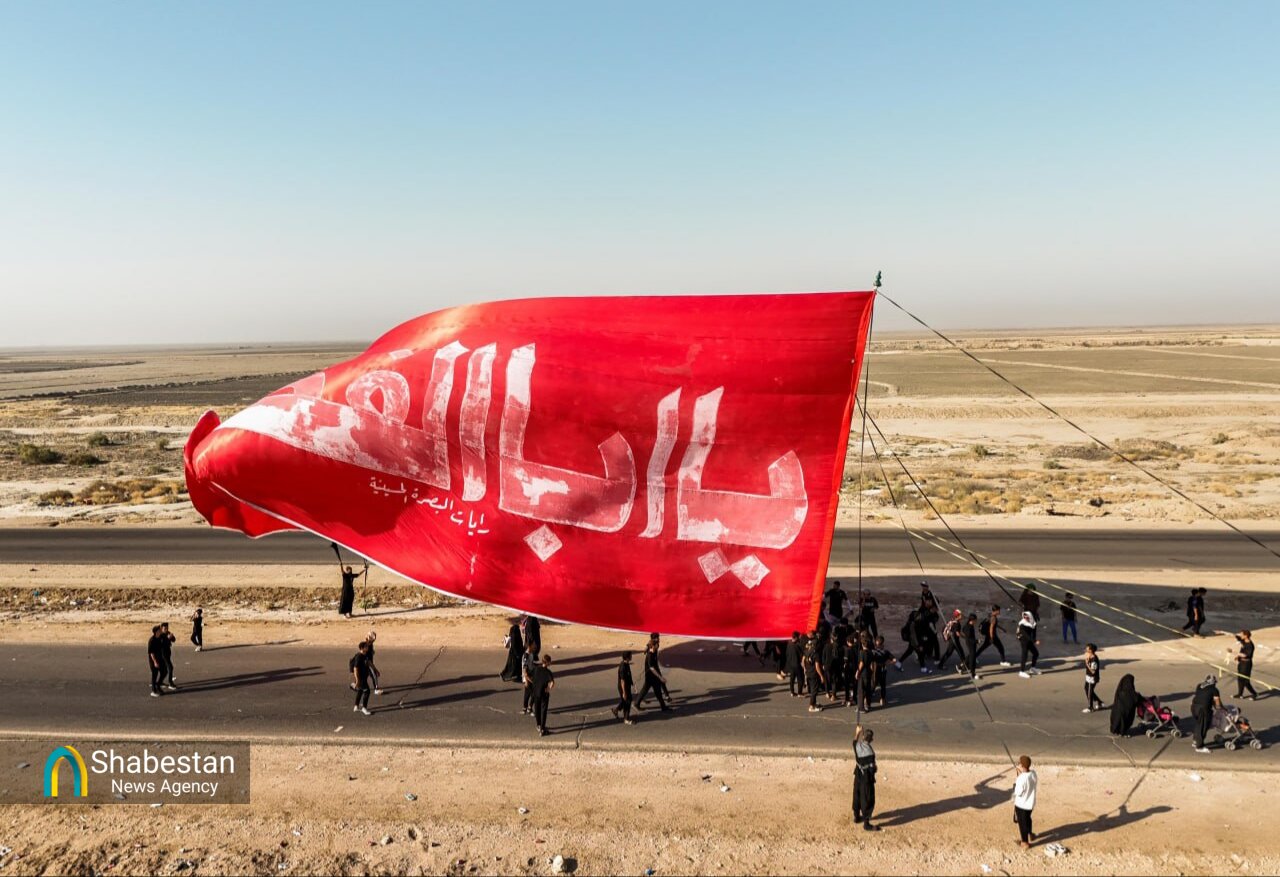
column 652, row 678
column 1205, row 701
column 167, row 640
column 792, row 664
column 880, row 658
column 543, row 682
column 1069, row 618
column 835, row 602
column 197, row 629
column 625, row 690
column 360, row 673
column 811, row 662
column 155, row 660
column 1244, row 664
column 868, row 611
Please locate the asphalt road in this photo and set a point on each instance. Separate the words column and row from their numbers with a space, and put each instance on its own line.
column 297, row 692
column 1172, row 548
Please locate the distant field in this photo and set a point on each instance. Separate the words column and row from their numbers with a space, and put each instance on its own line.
column 1081, row 370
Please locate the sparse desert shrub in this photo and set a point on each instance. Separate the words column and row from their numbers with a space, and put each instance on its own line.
column 981, row 452
column 132, row 491
column 1152, row 449
column 1053, row 464
column 38, row 455
column 1081, row 452
column 1220, row 438
column 84, row 458
column 162, row 443
column 56, row 497
column 98, row 440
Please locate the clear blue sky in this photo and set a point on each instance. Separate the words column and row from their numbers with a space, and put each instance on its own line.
column 287, row 171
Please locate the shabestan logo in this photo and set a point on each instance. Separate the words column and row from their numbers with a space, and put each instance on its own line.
column 79, row 774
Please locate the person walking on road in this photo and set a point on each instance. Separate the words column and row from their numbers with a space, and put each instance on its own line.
column 1069, row 618
column 864, row 778
column 1244, row 665
column 626, row 688
column 867, row 611
column 991, row 635
column 515, row 653
column 652, row 678
column 881, row 658
column 360, row 673
column 1203, row 703
column 1195, row 611
column 533, row 634
column 1027, row 639
column 1024, row 800
column 1092, row 676
column 374, row 675
column 791, row 665
column 155, row 661
column 167, row 640
column 543, row 681
column 197, row 629
column 812, row 662
column 528, row 664
column 951, row 636
column 1030, row 601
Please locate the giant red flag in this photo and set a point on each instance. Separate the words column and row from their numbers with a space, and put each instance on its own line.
column 654, row 463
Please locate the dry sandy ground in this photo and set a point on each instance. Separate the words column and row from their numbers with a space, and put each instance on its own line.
column 625, row 813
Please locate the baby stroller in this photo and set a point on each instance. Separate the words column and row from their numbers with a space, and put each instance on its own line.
column 1157, row 717
column 1233, row 729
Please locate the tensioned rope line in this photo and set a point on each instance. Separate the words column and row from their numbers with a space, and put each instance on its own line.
column 862, row 457
column 933, row 508
column 940, row 544
column 1071, row 423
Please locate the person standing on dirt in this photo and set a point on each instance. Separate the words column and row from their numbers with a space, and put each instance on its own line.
column 543, row 681
column 991, row 635
column 1024, row 800
column 347, row 602
column 1027, row 639
column 625, row 690
column 359, row 666
column 864, row 778
column 1203, row 703
column 167, row 640
column 155, row 661
column 1244, row 664
column 1069, row 618
column 197, row 629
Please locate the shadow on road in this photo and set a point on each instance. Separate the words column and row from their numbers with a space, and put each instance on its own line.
column 240, row 680
column 275, row 642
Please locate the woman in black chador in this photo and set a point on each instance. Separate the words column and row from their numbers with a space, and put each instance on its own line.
column 1124, row 707
column 515, row 652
